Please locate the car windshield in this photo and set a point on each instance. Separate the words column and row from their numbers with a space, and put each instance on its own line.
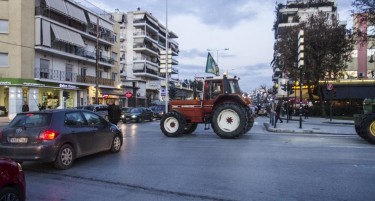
column 135, row 110
column 30, row 120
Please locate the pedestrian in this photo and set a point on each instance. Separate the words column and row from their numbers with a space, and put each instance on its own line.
column 277, row 115
column 25, row 107
column 306, row 111
column 114, row 113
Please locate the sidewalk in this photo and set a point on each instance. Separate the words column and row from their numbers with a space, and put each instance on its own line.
column 313, row 125
column 4, row 120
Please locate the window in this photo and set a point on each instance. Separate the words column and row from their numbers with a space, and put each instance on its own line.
column 83, row 72
column 44, row 68
column 114, row 76
column 74, row 119
column 4, row 26
column 94, row 120
column 4, row 60
column 68, row 72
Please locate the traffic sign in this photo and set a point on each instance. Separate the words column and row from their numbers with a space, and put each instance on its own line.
column 129, row 94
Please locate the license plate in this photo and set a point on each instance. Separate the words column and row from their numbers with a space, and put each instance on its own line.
column 18, row 140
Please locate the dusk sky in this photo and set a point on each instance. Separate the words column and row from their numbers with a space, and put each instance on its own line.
column 243, row 26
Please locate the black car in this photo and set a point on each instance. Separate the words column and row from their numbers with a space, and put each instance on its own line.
column 3, row 111
column 58, row 136
column 158, row 111
column 138, row 114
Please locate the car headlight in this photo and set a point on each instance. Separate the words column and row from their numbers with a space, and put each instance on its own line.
column 134, row 116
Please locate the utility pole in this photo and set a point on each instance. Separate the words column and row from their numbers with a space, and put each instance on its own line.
column 97, row 62
column 301, row 63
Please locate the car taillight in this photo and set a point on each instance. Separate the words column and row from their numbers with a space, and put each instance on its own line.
column 48, row 135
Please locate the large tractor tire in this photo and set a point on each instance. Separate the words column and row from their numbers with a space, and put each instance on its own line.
column 229, row 120
column 172, row 124
column 250, row 120
column 367, row 128
column 190, row 128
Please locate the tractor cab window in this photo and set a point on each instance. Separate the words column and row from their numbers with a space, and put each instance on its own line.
column 233, row 87
column 213, row 89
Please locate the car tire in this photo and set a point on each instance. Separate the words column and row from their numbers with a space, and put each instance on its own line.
column 65, row 157
column 116, row 144
column 10, row 193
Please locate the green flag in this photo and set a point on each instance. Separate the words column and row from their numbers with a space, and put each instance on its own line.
column 211, row 66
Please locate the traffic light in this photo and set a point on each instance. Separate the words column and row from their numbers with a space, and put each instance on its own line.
column 284, row 87
column 290, row 88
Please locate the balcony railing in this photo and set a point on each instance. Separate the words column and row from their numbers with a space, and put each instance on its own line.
column 60, row 46
column 57, row 75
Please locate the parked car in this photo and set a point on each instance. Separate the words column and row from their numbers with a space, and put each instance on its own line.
column 102, row 110
column 3, row 111
column 158, row 111
column 12, row 180
column 123, row 112
column 138, row 114
column 58, row 136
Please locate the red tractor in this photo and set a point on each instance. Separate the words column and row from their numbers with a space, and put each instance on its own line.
column 221, row 104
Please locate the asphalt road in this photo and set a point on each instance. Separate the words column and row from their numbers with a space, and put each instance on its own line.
column 257, row 166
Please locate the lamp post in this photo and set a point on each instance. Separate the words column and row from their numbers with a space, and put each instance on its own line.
column 97, row 62
column 166, row 54
column 217, row 54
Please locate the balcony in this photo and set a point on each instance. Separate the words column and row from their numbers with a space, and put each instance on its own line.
column 74, row 78
column 143, row 69
column 150, row 49
column 68, row 50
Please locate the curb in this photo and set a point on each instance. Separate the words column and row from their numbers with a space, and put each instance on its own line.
column 303, row 131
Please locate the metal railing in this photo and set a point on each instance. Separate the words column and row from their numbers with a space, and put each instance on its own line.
column 57, row 75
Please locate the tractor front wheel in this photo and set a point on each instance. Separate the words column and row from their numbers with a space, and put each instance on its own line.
column 172, row 124
column 367, row 129
column 229, row 120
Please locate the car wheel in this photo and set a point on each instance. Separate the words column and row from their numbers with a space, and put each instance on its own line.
column 65, row 157
column 9, row 193
column 116, row 144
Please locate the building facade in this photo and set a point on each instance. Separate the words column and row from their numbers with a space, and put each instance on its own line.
column 49, row 49
column 143, row 38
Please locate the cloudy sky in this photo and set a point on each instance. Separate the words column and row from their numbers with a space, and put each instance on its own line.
column 243, row 26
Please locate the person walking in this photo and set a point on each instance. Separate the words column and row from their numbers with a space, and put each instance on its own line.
column 277, row 115
column 306, row 111
column 114, row 113
column 25, row 107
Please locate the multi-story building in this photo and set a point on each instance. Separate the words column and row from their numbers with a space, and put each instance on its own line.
column 295, row 12
column 142, row 38
column 48, row 49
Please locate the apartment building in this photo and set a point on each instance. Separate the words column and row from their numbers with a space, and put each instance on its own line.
column 48, row 51
column 296, row 11
column 142, row 38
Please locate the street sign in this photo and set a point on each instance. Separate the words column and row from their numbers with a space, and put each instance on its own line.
column 129, row 94
column 162, row 92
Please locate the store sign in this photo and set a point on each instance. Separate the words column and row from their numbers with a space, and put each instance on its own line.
column 5, row 83
column 105, row 96
column 68, row 86
column 33, row 84
column 129, row 94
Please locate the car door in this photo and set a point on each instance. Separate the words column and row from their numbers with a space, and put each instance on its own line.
column 79, row 132
column 102, row 136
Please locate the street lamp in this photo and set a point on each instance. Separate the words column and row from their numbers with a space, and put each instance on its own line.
column 217, row 54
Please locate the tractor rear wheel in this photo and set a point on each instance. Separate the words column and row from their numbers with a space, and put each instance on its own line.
column 367, row 128
column 229, row 120
column 172, row 124
column 250, row 120
column 190, row 128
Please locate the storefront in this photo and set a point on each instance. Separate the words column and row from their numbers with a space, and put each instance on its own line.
column 38, row 95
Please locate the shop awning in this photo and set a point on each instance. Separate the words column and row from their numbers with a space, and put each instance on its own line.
column 116, row 92
column 67, row 36
column 76, row 13
column 350, row 92
column 58, row 5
